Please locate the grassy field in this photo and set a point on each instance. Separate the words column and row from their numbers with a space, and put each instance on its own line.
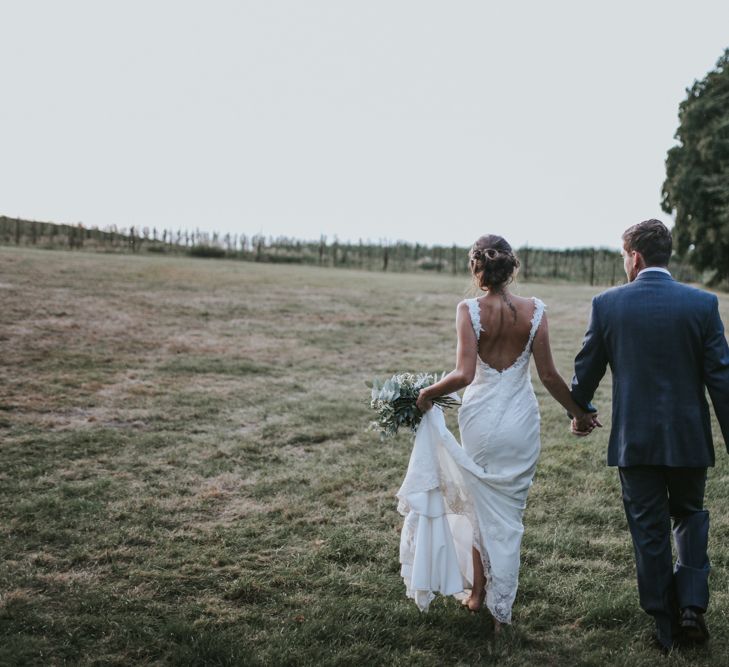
column 186, row 479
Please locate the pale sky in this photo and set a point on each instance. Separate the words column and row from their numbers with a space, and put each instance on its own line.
column 546, row 122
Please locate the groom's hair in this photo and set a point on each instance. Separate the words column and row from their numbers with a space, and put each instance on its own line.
column 651, row 239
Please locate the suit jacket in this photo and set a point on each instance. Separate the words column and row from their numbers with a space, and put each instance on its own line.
column 665, row 343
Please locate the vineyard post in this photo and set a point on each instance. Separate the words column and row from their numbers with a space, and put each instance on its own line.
column 526, row 263
column 453, row 260
column 17, row 232
column 573, row 262
column 592, row 267
column 385, row 257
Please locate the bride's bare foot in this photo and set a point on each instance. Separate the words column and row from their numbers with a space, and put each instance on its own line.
column 475, row 601
column 498, row 627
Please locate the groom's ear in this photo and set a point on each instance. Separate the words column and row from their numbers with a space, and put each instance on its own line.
column 639, row 261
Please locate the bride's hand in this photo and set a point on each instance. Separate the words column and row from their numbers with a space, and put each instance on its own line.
column 423, row 403
column 584, row 424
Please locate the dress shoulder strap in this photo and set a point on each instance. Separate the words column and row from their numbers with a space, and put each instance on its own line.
column 539, row 309
column 475, row 311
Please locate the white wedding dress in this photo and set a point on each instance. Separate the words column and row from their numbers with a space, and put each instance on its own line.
column 456, row 497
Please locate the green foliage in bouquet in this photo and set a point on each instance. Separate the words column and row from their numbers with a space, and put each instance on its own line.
column 394, row 401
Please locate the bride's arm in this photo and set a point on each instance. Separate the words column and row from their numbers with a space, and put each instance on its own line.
column 462, row 375
column 550, row 377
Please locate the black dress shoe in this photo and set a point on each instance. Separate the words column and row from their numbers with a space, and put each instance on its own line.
column 661, row 644
column 693, row 626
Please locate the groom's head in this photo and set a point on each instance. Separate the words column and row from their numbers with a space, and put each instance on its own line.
column 646, row 244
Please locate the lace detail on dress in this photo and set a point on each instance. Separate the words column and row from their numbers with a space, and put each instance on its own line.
column 539, row 309
column 457, row 502
column 500, row 603
column 475, row 310
column 499, row 595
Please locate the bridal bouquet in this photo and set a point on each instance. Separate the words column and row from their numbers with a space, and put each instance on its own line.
column 394, row 401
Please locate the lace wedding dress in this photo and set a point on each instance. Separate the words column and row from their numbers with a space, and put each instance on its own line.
column 457, row 497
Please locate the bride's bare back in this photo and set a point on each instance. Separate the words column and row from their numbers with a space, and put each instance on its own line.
column 506, row 321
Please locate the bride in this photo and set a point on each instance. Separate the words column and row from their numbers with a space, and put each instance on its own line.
column 499, row 424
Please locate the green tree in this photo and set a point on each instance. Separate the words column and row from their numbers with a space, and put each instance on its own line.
column 697, row 174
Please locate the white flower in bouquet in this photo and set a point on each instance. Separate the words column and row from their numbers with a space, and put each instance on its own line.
column 394, row 401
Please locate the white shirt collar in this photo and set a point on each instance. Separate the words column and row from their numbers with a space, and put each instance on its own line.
column 654, row 268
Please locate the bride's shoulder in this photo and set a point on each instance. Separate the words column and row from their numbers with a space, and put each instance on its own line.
column 468, row 309
column 538, row 302
column 465, row 306
column 528, row 302
column 533, row 307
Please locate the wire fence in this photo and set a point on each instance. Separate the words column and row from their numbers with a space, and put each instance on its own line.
column 595, row 266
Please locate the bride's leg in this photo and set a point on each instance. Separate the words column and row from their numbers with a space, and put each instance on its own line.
column 475, row 601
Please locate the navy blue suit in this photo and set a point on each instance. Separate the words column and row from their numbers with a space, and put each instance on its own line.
column 665, row 345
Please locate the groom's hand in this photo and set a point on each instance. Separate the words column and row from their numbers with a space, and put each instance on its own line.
column 584, row 425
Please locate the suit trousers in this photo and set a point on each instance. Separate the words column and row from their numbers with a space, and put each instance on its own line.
column 652, row 496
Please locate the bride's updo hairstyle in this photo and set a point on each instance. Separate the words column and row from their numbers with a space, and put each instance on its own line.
column 493, row 262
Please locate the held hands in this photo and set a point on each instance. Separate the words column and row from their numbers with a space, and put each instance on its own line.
column 584, row 424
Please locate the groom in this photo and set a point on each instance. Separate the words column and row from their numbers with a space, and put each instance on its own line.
column 665, row 343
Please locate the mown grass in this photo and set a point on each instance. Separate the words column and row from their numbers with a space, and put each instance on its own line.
column 185, row 477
